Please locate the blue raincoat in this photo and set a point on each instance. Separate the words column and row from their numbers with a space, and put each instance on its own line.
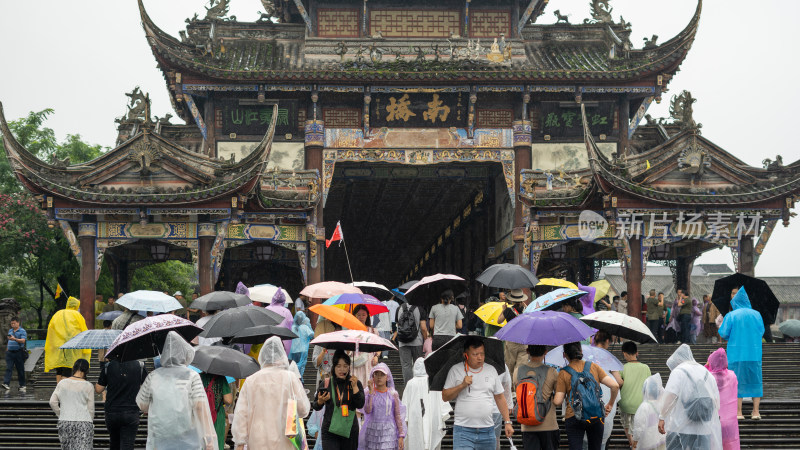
column 743, row 329
column 299, row 350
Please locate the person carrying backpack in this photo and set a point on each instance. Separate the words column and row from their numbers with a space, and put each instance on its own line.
column 690, row 409
column 536, row 384
column 411, row 332
column 579, row 384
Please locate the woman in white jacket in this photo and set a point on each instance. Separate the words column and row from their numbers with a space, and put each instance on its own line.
column 426, row 412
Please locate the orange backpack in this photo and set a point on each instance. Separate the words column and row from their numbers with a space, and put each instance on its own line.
column 532, row 407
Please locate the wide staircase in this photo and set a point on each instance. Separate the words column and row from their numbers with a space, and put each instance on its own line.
column 28, row 423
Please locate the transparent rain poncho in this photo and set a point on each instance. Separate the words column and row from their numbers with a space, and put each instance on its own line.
column 426, row 412
column 645, row 422
column 728, row 404
column 278, row 306
column 299, row 348
column 175, row 401
column 384, row 416
column 259, row 419
column 690, row 406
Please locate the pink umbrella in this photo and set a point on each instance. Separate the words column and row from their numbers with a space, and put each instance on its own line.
column 353, row 340
column 428, row 289
column 328, row 289
column 145, row 338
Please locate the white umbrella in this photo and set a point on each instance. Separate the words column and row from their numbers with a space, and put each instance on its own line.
column 149, row 301
column 621, row 325
column 369, row 287
column 263, row 293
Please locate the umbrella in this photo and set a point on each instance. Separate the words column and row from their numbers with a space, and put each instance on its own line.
column 544, row 328
column 374, row 306
column 602, row 357
column 111, row 315
column 438, row 363
column 328, row 289
column 145, row 338
column 790, row 328
column 218, row 300
column 552, row 298
column 407, row 285
column 259, row 334
column 376, row 290
column 338, row 316
column 508, row 276
column 429, row 289
column 601, row 289
column 228, row 322
column 762, row 299
column 557, row 282
column 490, row 312
column 621, row 325
column 263, row 293
column 92, row 339
column 587, row 301
column 149, row 301
column 399, row 295
column 224, row 361
column 350, row 339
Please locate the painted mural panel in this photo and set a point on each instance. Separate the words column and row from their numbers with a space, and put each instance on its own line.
column 418, row 138
column 565, row 156
column 282, row 156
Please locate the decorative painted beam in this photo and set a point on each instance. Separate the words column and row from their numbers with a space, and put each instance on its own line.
column 302, row 9
column 639, row 116
column 526, row 15
column 196, row 114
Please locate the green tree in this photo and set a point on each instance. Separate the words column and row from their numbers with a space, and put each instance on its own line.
column 168, row 276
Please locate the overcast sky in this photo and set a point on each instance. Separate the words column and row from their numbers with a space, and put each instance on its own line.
column 80, row 58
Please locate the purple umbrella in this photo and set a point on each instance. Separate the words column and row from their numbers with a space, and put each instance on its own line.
column 544, row 328
column 374, row 306
column 597, row 355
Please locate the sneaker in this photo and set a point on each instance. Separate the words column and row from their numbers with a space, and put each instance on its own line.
column 5, row 386
column 23, row 389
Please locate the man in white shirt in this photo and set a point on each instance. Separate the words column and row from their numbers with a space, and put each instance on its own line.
column 392, row 305
column 477, row 389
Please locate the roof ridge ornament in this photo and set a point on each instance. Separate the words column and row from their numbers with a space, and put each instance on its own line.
column 601, row 12
column 681, row 111
column 216, row 9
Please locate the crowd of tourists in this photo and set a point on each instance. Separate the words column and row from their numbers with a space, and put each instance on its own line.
column 356, row 404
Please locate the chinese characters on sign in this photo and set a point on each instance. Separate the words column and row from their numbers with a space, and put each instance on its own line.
column 558, row 121
column 255, row 119
column 716, row 226
column 419, row 110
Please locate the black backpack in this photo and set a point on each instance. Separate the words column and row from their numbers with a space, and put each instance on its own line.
column 407, row 327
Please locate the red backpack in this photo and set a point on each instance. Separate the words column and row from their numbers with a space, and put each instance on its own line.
column 532, row 407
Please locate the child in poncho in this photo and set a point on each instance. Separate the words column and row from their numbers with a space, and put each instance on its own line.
column 384, row 414
column 645, row 422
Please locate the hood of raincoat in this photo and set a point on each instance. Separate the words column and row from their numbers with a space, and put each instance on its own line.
column 242, row 289
column 741, row 300
column 273, row 354
column 694, row 301
column 300, row 318
column 177, row 352
column 382, row 367
column 652, row 388
column 419, row 368
column 279, row 299
column 293, row 368
column 73, row 303
column 682, row 355
column 717, row 361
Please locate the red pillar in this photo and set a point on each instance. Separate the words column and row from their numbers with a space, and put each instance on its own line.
column 87, row 234
column 206, row 236
column 522, row 160
column 634, row 278
column 315, row 140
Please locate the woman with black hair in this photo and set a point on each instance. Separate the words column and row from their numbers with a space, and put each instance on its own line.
column 341, row 395
column 73, row 403
column 589, row 425
column 364, row 361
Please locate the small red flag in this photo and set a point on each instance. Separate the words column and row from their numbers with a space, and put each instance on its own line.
column 337, row 235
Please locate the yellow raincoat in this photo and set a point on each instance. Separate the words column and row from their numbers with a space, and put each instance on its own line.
column 64, row 325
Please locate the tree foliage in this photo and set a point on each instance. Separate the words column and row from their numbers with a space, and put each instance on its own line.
column 168, row 276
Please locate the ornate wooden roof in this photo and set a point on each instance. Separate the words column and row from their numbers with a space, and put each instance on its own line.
column 231, row 51
column 685, row 169
column 146, row 169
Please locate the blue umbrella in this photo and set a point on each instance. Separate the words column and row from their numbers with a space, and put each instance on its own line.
column 544, row 328
column 92, row 339
column 602, row 357
column 552, row 298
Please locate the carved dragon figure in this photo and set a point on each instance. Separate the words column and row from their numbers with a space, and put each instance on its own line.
column 216, row 9
column 138, row 105
column 601, row 12
column 650, row 43
column 773, row 165
column 680, row 108
column 694, row 160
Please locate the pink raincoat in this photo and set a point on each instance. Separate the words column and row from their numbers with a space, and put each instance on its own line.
column 728, row 388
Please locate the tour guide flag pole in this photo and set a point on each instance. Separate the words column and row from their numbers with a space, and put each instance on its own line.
column 339, row 236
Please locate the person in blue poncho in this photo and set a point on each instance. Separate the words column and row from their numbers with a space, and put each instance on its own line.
column 299, row 350
column 743, row 328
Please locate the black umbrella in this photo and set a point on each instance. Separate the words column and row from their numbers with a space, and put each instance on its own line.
column 145, row 338
column 228, row 322
column 508, row 276
column 259, row 334
column 218, row 300
column 438, row 363
column 762, row 299
column 407, row 285
column 218, row 360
